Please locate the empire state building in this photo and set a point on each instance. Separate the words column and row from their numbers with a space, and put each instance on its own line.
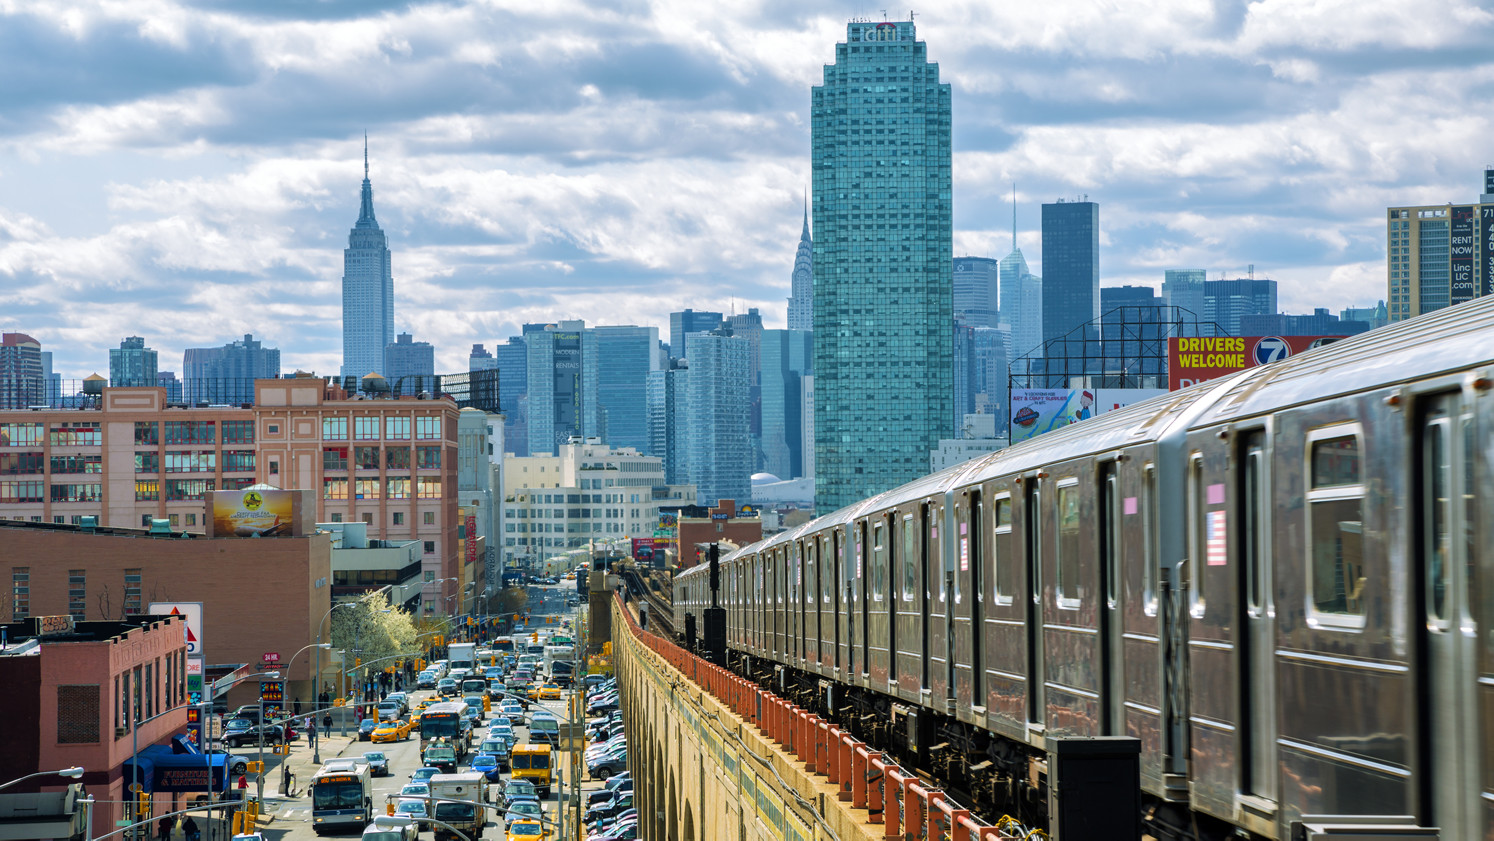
column 367, row 290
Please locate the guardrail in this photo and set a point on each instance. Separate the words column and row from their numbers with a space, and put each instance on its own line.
column 865, row 777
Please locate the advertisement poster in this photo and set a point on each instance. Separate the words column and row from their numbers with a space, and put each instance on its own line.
column 253, row 513
column 1193, row 360
column 1035, row 411
column 1463, row 247
column 193, row 613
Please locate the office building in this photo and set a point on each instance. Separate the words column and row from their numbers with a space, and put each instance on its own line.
column 132, row 458
column 669, row 420
column 1320, row 323
column 975, row 291
column 479, row 455
column 718, row 436
column 367, row 290
column 992, row 360
column 1134, row 326
column 1022, row 305
column 882, row 263
column 1226, row 302
column 1440, row 255
column 1184, row 288
column 626, row 355
column 409, row 366
column 22, row 378
column 801, row 283
column 132, row 363
column 586, row 492
column 173, row 386
column 681, row 324
column 1071, row 267
column 787, row 357
column 225, row 375
column 562, row 397
column 1376, row 316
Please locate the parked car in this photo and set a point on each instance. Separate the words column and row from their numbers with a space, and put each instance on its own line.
column 240, row 732
column 608, row 765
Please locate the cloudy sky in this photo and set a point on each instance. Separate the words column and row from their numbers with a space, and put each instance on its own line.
column 188, row 171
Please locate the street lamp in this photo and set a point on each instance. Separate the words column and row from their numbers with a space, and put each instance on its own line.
column 315, row 679
column 74, row 773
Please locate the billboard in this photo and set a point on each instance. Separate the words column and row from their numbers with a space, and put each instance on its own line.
column 1463, row 244
column 1486, row 238
column 252, row 512
column 650, row 549
column 193, row 613
column 1192, row 360
column 1038, row 410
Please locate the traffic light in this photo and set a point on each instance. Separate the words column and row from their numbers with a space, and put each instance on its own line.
column 142, row 804
column 256, row 767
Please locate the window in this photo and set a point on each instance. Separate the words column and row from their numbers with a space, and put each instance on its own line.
column 427, row 457
column 76, row 434
column 428, row 487
column 191, row 432
column 1068, row 544
column 337, row 516
column 335, row 488
column 1335, row 502
column 179, row 489
column 397, row 429
column 20, row 435
column 911, row 557
column 1003, row 558
column 879, row 561
column 366, row 429
column 77, row 493
column 366, row 517
column 430, row 547
column 366, row 458
column 231, row 483
column 238, row 432
column 366, row 489
column 21, row 463
column 147, row 490
column 77, row 593
column 238, row 461
column 334, row 429
column 191, row 461
column 428, row 428
column 399, row 518
column 430, row 575
column 334, row 458
column 147, row 461
column 21, row 491
column 274, row 428
column 428, row 518
column 77, row 464
column 397, row 458
column 398, row 487
column 20, row 592
column 132, row 581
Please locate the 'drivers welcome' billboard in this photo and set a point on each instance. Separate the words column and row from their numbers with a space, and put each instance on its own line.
column 1192, row 360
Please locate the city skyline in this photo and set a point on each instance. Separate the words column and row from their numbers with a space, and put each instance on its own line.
column 536, row 166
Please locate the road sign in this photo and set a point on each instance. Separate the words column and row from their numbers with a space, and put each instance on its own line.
column 271, row 657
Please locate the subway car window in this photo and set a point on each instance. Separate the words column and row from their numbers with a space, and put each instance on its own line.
column 879, row 561
column 1197, row 534
column 1068, row 544
column 910, row 557
column 1335, row 512
column 1437, row 501
column 1003, row 555
column 1149, row 536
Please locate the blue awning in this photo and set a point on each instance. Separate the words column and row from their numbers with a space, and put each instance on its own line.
column 176, row 767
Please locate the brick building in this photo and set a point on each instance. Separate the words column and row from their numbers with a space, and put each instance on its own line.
column 131, row 457
column 720, row 524
column 260, row 595
column 75, row 695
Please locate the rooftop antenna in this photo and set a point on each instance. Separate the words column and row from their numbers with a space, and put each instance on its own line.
column 365, row 156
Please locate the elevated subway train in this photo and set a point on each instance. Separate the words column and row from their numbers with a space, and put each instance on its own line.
column 1281, row 583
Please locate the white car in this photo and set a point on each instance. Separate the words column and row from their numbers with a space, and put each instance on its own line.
column 408, row 832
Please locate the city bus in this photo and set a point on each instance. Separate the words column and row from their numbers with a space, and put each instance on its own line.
column 446, row 720
column 341, row 797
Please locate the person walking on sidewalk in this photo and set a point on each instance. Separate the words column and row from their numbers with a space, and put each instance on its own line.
column 163, row 827
column 189, row 830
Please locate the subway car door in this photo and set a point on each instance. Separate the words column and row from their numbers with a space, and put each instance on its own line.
column 1112, row 648
column 1448, row 552
column 1032, row 528
column 1258, row 634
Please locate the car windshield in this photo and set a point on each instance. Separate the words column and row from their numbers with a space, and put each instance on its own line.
column 525, row 830
column 519, row 788
column 527, row 807
column 345, row 795
column 239, row 724
column 415, row 788
column 381, row 836
column 411, row 807
column 374, row 757
column 426, row 773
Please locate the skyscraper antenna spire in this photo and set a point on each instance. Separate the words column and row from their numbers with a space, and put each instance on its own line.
column 365, row 156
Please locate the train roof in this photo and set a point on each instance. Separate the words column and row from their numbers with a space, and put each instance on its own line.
column 1440, row 342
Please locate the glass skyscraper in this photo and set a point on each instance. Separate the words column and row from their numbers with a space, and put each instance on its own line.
column 562, row 373
column 880, row 137
column 625, row 357
column 1071, row 266
column 367, row 290
column 132, row 363
column 801, row 283
column 719, row 435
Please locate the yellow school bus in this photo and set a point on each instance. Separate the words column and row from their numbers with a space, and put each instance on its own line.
column 532, row 762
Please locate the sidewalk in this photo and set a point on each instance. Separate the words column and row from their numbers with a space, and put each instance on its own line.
column 302, row 766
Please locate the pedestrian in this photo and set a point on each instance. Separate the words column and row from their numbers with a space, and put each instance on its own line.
column 297, row 705
column 243, row 783
column 327, row 723
column 189, row 829
column 164, row 827
column 325, row 698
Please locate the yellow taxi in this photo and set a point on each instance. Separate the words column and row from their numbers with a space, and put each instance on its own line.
column 415, row 720
column 532, row 691
column 549, row 692
column 425, row 703
column 392, row 731
column 526, row 830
